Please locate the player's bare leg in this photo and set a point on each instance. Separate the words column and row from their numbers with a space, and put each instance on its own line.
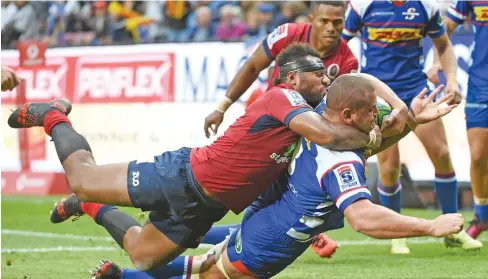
column 390, row 189
column 105, row 184
column 478, row 139
column 433, row 137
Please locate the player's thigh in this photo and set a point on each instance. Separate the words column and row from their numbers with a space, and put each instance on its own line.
column 434, row 139
column 151, row 247
column 105, row 184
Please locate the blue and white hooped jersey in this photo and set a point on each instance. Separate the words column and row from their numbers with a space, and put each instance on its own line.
column 460, row 11
column 392, row 37
column 322, row 184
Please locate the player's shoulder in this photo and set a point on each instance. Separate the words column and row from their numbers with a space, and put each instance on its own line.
column 360, row 6
column 288, row 30
column 328, row 159
column 278, row 92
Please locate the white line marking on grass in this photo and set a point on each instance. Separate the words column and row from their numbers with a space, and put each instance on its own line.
column 55, row 235
column 58, row 249
column 424, row 240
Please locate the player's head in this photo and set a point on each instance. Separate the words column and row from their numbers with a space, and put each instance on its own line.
column 301, row 67
column 352, row 100
column 327, row 19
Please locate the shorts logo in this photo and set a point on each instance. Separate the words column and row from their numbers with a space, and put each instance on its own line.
column 238, row 242
column 135, row 178
column 346, row 177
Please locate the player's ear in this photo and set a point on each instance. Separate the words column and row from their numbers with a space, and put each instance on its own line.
column 347, row 116
column 292, row 78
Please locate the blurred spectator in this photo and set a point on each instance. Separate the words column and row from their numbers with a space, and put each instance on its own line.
column 204, row 30
column 175, row 16
column 20, row 26
column 265, row 19
column 289, row 12
column 100, row 23
column 8, row 11
column 231, row 26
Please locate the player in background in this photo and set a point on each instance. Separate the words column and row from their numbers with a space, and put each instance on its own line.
column 189, row 189
column 323, row 35
column 476, row 103
column 392, row 33
column 324, row 186
column 9, row 79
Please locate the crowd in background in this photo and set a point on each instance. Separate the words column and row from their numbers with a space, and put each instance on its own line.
column 74, row 23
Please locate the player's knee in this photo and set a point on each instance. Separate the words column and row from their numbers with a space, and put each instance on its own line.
column 478, row 160
column 441, row 156
column 141, row 261
column 80, row 181
column 389, row 174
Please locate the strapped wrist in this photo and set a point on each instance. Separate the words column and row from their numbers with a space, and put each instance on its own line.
column 224, row 104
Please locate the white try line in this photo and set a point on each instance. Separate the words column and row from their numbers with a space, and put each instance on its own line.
column 424, row 240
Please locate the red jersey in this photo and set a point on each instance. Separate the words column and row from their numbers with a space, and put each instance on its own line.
column 253, row 152
column 341, row 61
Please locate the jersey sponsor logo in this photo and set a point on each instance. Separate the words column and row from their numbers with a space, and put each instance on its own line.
column 481, row 13
column 238, row 242
column 410, row 14
column 279, row 33
column 295, row 98
column 391, row 35
column 383, row 14
column 346, row 177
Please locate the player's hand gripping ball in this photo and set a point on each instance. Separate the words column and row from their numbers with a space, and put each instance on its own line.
column 384, row 111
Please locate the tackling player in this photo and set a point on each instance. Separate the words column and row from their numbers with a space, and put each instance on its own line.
column 324, row 186
column 476, row 103
column 392, row 32
column 189, row 189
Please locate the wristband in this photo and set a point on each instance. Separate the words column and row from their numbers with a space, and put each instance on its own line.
column 411, row 122
column 372, row 139
column 224, row 104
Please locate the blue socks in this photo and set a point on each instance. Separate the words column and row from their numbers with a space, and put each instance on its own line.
column 391, row 196
column 446, row 189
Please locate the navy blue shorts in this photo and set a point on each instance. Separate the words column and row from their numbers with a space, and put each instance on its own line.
column 179, row 208
column 476, row 107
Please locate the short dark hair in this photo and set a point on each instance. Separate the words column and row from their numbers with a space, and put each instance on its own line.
column 349, row 91
column 315, row 4
column 292, row 53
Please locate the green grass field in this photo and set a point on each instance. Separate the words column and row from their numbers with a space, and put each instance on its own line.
column 33, row 248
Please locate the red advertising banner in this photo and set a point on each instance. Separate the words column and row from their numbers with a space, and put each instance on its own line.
column 114, row 78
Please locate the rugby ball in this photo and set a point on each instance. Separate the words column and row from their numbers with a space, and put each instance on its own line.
column 384, row 111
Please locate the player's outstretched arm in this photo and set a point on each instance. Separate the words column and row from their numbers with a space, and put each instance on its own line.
column 423, row 110
column 433, row 72
column 380, row 222
column 330, row 135
column 257, row 62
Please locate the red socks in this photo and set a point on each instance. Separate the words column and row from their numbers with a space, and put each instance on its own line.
column 91, row 209
column 52, row 118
